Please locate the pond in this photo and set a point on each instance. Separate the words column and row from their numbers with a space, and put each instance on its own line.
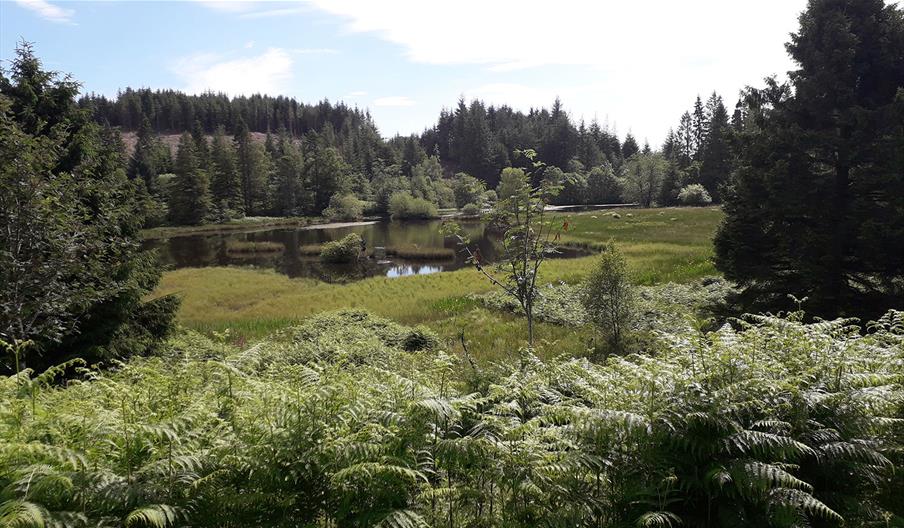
column 287, row 256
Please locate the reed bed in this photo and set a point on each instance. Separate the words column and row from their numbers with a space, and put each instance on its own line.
column 250, row 247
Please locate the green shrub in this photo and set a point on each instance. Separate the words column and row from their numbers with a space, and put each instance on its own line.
column 420, row 338
column 403, row 206
column 694, row 194
column 345, row 250
column 608, row 298
column 344, row 208
column 470, row 209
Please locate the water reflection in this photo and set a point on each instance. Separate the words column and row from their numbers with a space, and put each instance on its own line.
column 210, row 250
column 402, row 271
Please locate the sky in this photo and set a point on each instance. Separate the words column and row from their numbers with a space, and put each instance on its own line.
column 634, row 65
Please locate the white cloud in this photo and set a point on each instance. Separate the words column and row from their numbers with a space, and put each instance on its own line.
column 394, row 100
column 265, row 73
column 314, row 51
column 228, row 6
column 269, row 13
column 48, row 11
column 511, row 34
column 249, row 44
column 641, row 62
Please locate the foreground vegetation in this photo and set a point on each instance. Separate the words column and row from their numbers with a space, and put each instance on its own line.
column 352, row 420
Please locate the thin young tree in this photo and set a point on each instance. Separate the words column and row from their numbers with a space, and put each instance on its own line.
column 529, row 238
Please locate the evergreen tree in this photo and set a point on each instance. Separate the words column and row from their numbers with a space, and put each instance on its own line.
column 289, row 198
column 699, row 128
column 816, row 207
column 225, row 187
column 202, row 149
column 143, row 164
column 716, row 163
column 685, row 141
column 629, row 147
column 671, row 184
column 252, row 170
column 72, row 276
column 189, row 192
column 326, row 173
column 559, row 138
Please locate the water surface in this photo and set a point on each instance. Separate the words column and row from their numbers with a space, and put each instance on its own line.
column 202, row 250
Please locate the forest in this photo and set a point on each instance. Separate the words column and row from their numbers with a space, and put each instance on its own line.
column 715, row 338
column 266, row 156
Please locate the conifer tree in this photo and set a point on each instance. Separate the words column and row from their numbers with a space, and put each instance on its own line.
column 716, row 163
column 202, row 149
column 685, row 140
column 629, row 147
column 816, row 206
column 289, row 199
column 225, row 187
column 73, row 279
column 700, row 125
column 189, row 192
column 143, row 164
column 251, row 164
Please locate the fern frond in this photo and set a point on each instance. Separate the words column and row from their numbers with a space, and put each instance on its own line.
column 154, row 516
column 22, row 514
column 659, row 519
column 402, row 519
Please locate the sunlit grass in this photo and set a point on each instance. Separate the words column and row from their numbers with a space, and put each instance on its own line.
column 253, row 303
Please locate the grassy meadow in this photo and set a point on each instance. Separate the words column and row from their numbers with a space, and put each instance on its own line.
column 662, row 245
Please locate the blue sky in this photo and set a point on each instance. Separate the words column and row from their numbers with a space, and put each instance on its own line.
column 634, row 64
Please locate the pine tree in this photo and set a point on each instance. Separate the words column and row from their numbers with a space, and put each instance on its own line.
column 629, row 147
column 699, row 127
column 289, row 199
column 225, row 187
column 252, row 168
column 716, row 163
column 189, row 190
column 72, row 276
column 326, row 173
column 143, row 164
column 202, row 149
column 816, row 207
column 685, row 139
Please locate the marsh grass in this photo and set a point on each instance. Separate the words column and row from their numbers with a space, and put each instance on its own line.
column 310, row 250
column 251, row 247
column 253, row 303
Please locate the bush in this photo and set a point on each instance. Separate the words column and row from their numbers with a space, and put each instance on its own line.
column 403, row 206
column 344, row 250
column 420, row 338
column 470, row 209
column 608, row 298
column 344, row 208
column 694, row 194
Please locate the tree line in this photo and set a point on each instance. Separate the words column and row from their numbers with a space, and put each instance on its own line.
column 221, row 171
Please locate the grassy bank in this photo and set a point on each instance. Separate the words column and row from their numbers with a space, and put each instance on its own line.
column 253, row 303
column 249, row 223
